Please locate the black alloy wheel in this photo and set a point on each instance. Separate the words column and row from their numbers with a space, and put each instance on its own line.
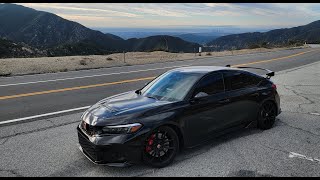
column 267, row 115
column 161, row 147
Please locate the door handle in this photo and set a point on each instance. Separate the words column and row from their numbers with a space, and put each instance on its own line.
column 224, row 101
column 255, row 94
column 194, row 101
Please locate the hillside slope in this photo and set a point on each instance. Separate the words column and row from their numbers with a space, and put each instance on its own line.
column 161, row 43
column 59, row 37
column 309, row 33
column 9, row 49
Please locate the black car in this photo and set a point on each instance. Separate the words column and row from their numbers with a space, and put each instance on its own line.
column 183, row 107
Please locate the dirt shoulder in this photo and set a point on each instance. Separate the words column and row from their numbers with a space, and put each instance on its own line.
column 22, row 66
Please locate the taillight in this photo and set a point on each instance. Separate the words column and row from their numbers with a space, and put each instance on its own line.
column 274, row 87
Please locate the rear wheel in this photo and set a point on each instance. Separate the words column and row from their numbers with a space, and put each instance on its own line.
column 161, row 147
column 267, row 115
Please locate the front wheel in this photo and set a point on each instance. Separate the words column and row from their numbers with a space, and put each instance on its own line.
column 161, row 147
column 267, row 115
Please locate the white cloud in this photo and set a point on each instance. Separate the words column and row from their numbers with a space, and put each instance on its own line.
column 165, row 14
column 75, row 10
column 159, row 12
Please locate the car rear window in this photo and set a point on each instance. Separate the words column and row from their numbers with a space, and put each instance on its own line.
column 238, row 80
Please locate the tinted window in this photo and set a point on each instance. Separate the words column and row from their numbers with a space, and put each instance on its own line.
column 211, row 84
column 237, row 80
column 255, row 79
column 171, row 86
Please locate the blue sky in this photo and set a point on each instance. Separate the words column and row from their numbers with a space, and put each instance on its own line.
column 166, row 15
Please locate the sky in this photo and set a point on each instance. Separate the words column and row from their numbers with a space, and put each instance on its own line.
column 166, row 15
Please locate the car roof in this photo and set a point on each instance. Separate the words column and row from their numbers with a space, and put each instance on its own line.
column 202, row 69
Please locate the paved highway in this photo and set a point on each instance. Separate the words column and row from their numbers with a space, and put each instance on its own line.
column 26, row 96
column 48, row 145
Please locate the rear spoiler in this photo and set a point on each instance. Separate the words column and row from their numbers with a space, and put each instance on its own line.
column 269, row 72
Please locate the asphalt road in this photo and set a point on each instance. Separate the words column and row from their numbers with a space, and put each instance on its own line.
column 49, row 146
column 31, row 95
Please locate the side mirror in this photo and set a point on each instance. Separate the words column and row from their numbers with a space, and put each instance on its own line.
column 201, row 94
column 196, row 98
column 138, row 91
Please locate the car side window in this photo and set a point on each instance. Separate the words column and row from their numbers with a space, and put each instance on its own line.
column 210, row 84
column 238, row 80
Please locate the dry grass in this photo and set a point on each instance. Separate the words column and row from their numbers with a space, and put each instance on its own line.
column 18, row 66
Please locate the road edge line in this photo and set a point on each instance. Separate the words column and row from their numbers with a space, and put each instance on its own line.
column 42, row 115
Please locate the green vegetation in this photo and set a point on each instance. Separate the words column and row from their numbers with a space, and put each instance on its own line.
column 60, row 37
column 9, row 49
column 288, row 37
column 83, row 62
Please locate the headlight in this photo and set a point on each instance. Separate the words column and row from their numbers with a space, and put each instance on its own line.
column 122, row 129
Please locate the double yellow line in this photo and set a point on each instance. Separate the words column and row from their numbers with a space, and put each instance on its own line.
column 274, row 59
column 131, row 80
column 73, row 88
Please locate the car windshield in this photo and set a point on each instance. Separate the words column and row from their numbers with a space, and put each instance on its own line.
column 171, row 86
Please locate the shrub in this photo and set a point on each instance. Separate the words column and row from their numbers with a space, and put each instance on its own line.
column 264, row 44
column 5, row 74
column 83, row 62
column 109, row 59
column 64, row 70
column 208, row 54
column 254, row 46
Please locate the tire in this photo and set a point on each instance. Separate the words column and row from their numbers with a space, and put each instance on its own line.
column 161, row 147
column 267, row 115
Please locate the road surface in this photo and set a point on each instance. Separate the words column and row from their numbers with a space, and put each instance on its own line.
column 32, row 95
column 48, row 145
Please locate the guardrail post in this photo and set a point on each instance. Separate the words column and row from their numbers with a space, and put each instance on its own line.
column 124, row 57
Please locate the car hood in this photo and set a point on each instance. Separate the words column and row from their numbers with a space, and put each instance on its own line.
column 119, row 109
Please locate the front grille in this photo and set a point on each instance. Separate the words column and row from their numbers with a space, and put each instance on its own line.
column 88, row 147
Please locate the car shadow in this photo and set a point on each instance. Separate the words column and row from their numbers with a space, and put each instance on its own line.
column 185, row 154
column 216, row 141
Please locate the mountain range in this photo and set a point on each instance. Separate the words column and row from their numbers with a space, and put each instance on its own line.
column 309, row 33
column 197, row 34
column 200, row 38
column 25, row 32
column 59, row 37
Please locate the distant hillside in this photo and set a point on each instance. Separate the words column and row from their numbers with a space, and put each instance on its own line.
column 59, row 37
column 161, row 43
column 43, row 30
column 198, row 38
column 309, row 33
column 9, row 49
column 142, row 34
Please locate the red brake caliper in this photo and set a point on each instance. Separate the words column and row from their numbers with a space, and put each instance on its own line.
column 150, row 142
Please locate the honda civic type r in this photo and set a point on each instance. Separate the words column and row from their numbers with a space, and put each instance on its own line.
column 180, row 108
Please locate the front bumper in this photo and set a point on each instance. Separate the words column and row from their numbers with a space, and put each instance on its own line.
column 123, row 164
column 105, row 150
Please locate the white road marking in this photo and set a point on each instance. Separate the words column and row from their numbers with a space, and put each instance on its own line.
column 43, row 115
column 317, row 114
column 53, row 80
column 97, row 75
column 74, row 109
column 297, row 155
column 81, row 108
